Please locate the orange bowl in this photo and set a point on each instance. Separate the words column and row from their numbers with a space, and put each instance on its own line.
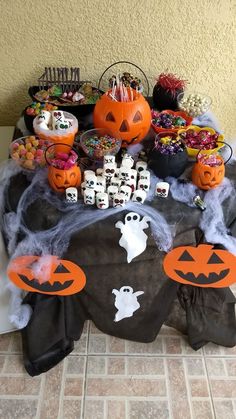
column 183, row 115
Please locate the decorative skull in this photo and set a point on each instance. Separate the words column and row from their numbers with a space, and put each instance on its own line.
column 71, row 195
column 109, row 159
column 126, row 192
column 89, row 197
column 162, row 189
column 145, row 174
column 140, row 166
column 144, row 185
column 139, row 196
column 91, row 181
column 127, row 161
column 118, row 200
column 102, row 200
column 125, row 174
column 112, row 191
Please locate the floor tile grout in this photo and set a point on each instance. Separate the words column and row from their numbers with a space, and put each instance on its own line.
column 209, row 387
column 82, row 414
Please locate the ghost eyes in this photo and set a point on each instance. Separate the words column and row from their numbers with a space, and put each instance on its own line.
column 129, row 218
column 126, row 290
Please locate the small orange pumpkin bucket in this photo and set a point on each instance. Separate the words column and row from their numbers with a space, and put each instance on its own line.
column 206, row 176
column 63, row 171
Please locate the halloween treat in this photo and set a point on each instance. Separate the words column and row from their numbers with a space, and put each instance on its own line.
column 194, row 104
column 169, row 121
column 126, row 191
column 61, row 128
column 201, row 266
column 97, row 143
column 118, row 200
column 29, row 151
column 200, row 138
column 89, row 196
column 166, row 91
column 168, row 156
column 128, row 80
column 102, row 200
column 162, row 189
column 71, row 195
column 125, row 113
column 63, row 171
column 46, row 274
column 36, row 107
column 139, row 196
column 55, row 95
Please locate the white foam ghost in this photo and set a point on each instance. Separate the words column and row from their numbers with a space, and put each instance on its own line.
column 126, row 302
column 133, row 238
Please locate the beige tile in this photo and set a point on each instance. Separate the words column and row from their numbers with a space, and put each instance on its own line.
column 155, row 347
column 75, row 365
column 16, row 343
column 145, row 366
column 71, row 409
column 187, row 350
column 97, row 344
column 231, row 367
column 3, row 359
column 223, row 388
column 172, row 345
column 229, row 351
column 224, row 409
column 94, row 329
column 96, row 365
column 5, row 342
column 14, row 364
column 116, row 409
column 198, row 388
column 115, row 345
column 178, row 389
column 116, row 366
column 51, row 392
column 125, row 387
column 148, row 409
column 73, row 386
column 212, row 349
column 19, row 386
column 94, row 409
column 169, row 331
column 194, row 367
column 202, row 409
column 21, row 409
column 215, row 367
column 80, row 345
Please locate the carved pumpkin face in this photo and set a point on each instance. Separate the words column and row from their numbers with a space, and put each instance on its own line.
column 46, row 275
column 201, row 266
column 207, row 177
column 60, row 179
column 129, row 121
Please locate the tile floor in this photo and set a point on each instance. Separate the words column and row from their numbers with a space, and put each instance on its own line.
column 106, row 377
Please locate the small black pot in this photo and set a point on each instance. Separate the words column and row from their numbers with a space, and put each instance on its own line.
column 164, row 99
column 164, row 165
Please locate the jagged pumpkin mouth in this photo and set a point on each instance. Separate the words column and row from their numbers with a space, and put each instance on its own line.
column 46, row 286
column 202, row 278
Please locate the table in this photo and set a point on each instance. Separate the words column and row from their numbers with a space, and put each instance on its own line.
column 205, row 315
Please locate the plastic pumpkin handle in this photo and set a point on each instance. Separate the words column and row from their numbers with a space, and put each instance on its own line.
column 59, row 144
column 222, row 142
column 125, row 62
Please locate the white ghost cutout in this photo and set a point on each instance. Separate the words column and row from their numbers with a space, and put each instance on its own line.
column 126, row 302
column 133, row 238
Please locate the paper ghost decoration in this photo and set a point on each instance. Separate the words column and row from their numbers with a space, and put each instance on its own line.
column 133, row 238
column 126, row 302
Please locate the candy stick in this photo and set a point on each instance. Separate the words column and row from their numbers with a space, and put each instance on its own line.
column 121, row 93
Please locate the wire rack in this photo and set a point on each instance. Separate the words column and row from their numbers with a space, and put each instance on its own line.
column 67, row 78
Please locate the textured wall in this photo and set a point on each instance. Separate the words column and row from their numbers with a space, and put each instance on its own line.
column 194, row 39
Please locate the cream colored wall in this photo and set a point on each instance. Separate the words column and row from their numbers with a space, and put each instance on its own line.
column 194, row 39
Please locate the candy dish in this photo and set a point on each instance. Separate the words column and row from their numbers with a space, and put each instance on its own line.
column 194, row 104
column 171, row 116
column 31, row 111
column 208, row 144
column 96, row 143
column 29, row 151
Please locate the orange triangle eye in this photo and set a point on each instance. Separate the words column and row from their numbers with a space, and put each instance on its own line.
column 137, row 117
column 110, row 117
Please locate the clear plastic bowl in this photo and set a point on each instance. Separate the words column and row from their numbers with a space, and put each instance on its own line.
column 96, row 147
column 193, row 103
column 30, row 156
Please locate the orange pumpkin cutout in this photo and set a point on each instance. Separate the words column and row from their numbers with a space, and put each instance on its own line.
column 201, row 266
column 206, row 177
column 129, row 121
column 60, row 179
column 46, row 275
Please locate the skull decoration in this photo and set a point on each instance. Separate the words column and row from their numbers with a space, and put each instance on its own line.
column 102, row 200
column 91, row 181
column 132, row 184
column 101, row 181
column 109, row 159
column 139, row 196
column 44, row 119
column 99, row 189
column 89, row 197
column 145, row 174
column 109, row 171
column 112, row 191
column 115, row 182
column 140, row 165
column 125, row 174
column 57, row 119
column 118, row 200
column 71, row 195
column 126, row 192
column 162, row 189
column 134, row 174
column 127, row 161
column 88, row 173
column 144, row 185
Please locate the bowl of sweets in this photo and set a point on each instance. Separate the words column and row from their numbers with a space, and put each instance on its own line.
column 197, row 138
column 169, row 120
column 194, row 104
column 96, row 143
column 29, row 151
column 31, row 111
